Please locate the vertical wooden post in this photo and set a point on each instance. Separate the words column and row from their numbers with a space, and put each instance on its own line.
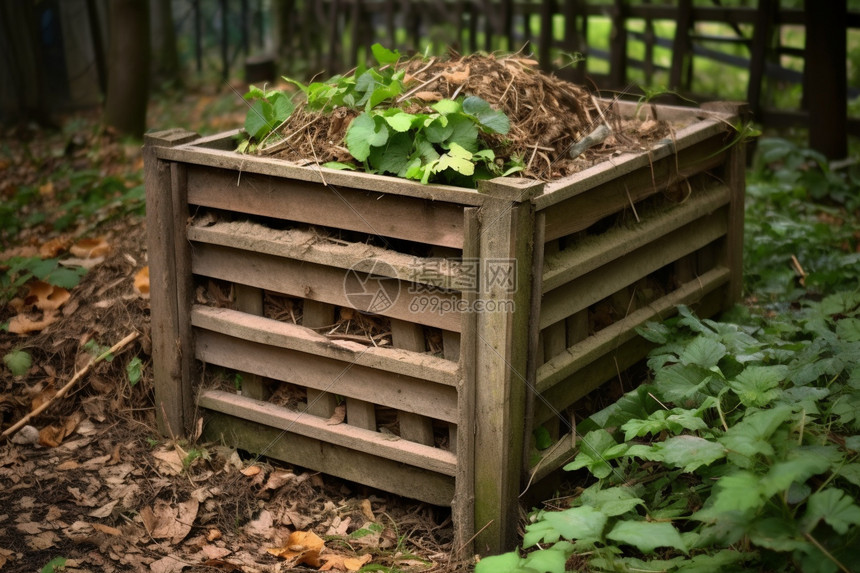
column 618, row 46
column 735, row 178
column 681, row 48
column 170, row 289
column 826, row 81
column 314, row 315
column 501, row 353
column 250, row 299
column 413, row 427
column 760, row 52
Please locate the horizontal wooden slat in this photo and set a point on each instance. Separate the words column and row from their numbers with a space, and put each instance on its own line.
column 205, row 155
column 296, row 337
column 614, row 169
column 315, row 282
column 583, row 353
column 329, row 375
column 359, row 439
column 616, row 274
column 307, row 245
column 570, row 263
column 376, row 471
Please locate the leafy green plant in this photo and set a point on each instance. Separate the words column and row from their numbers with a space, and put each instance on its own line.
column 18, row 271
column 441, row 145
column 742, row 453
column 134, row 371
column 18, row 362
column 54, row 565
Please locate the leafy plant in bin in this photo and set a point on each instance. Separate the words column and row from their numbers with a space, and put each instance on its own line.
column 442, row 145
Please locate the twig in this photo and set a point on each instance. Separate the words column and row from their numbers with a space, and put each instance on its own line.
column 796, row 264
column 65, row 389
column 827, row 554
column 418, row 88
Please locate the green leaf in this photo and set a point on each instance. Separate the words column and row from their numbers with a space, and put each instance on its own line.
column 805, row 462
column 364, row 132
column 756, row 385
column 18, row 362
column 491, row 120
column 849, row 329
column 400, row 121
column 584, row 522
column 704, row 352
column 740, row 492
column 679, row 382
column 750, row 437
column 647, row 536
column 725, row 560
column 134, row 370
column 463, row 132
column 446, row 106
column 65, row 277
column 457, row 159
column 689, row 452
column 54, row 565
column 850, row 473
column 546, row 561
column 393, row 157
column 542, row 438
column 836, row 508
column 612, row 501
column 777, row 534
column 592, row 455
column 437, row 130
column 505, row 563
column 339, row 165
column 383, row 55
column 674, row 420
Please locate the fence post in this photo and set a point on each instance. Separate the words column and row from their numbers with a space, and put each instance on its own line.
column 825, row 83
column 762, row 46
column 618, row 46
column 682, row 48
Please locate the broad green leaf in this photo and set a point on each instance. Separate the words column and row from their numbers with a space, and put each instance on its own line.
column 458, row 159
column 584, row 522
column 852, row 443
column 542, row 438
column 704, row 352
column 756, row 385
column 258, row 119
column 425, row 150
column 804, row 463
column 282, row 107
column 777, row 534
column 850, row 473
column 679, row 383
column 674, row 420
column 383, row 55
column 463, row 132
column 689, row 452
column 393, row 157
column 836, row 508
column 740, row 492
column 446, row 106
column 134, row 370
column 849, row 329
column 655, row 332
column 725, row 560
column 612, row 501
column 647, row 536
column 750, row 437
column 65, row 277
column 54, row 565
column 18, row 362
column 339, row 165
column 591, row 454
column 546, row 561
column 364, row 132
column 438, row 130
column 505, row 563
column 400, row 121
column 492, row 120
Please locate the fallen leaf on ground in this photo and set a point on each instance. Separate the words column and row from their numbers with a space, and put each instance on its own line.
column 262, row 525
column 168, row 564
column 344, row 563
column 277, row 479
column 428, row 96
column 54, row 247
column 301, row 547
column 45, row 296
column 214, row 552
column 90, row 248
column 251, row 471
column 23, row 324
column 107, row 529
column 367, row 509
column 104, row 510
column 141, row 282
column 168, row 462
column 165, row 522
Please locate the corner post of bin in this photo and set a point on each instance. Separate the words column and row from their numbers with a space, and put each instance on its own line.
column 736, row 113
column 165, row 234
column 507, row 220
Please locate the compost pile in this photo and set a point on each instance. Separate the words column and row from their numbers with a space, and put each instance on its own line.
column 548, row 116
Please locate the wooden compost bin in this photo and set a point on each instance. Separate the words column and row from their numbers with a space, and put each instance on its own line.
column 565, row 271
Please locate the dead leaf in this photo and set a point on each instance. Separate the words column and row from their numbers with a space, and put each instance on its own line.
column 31, row 527
column 47, row 189
column 367, row 510
column 301, row 547
column 68, row 465
column 168, row 462
column 251, row 471
column 457, row 77
column 262, row 525
column 107, row 529
column 104, row 511
column 45, row 296
column 22, row 324
column 338, row 416
column 51, row 436
column 277, row 479
column 428, row 96
column 168, row 564
column 222, row 565
column 141, row 282
column 165, row 522
column 90, row 248
column 54, row 247
column 344, row 563
column 42, row 541
column 213, row 535
column 214, row 552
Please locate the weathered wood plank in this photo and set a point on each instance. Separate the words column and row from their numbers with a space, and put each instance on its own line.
column 413, row 427
column 317, row 314
column 564, row 266
column 375, row 471
column 324, row 374
column 616, row 195
column 310, row 281
column 618, row 357
column 309, row 246
column 250, row 300
column 619, row 167
column 174, row 399
column 249, row 164
column 500, row 373
column 586, row 290
column 578, row 356
column 300, row 338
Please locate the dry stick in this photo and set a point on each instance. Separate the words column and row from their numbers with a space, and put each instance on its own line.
column 418, row 88
column 65, row 389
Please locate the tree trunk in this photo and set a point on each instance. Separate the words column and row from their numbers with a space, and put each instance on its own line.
column 128, row 67
column 22, row 94
column 165, row 64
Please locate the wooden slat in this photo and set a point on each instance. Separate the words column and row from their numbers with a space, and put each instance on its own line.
column 309, row 281
column 413, row 427
column 582, row 353
column 294, row 337
column 251, row 164
column 307, row 245
column 564, row 266
column 317, row 314
column 250, row 300
column 613, row 170
column 320, row 373
column 582, row 211
column 169, row 284
column 375, row 471
column 586, row 290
